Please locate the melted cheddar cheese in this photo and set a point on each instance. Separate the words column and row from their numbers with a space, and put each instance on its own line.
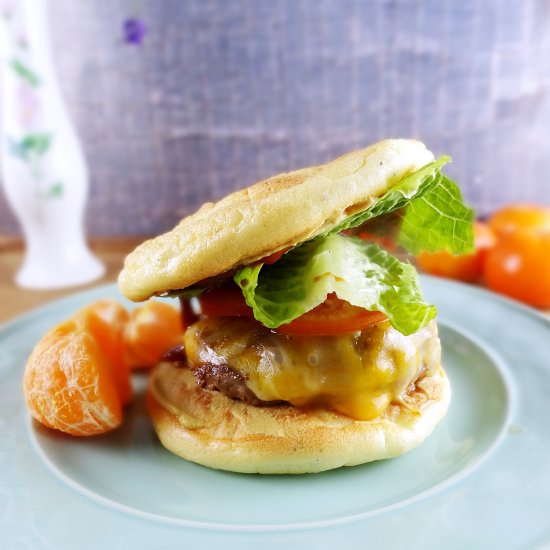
column 356, row 374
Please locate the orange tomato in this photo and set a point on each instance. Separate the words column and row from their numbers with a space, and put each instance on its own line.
column 224, row 302
column 520, row 217
column 275, row 257
column 333, row 316
column 385, row 241
column 152, row 330
column 465, row 267
column 519, row 266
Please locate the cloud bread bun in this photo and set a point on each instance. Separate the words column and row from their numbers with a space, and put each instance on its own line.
column 276, row 213
column 208, row 428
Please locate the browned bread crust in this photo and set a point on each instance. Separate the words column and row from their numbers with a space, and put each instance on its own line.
column 274, row 214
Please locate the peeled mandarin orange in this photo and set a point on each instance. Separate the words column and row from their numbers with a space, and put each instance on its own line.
column 519, row 267
column 520, row 217
column 152, row 330
column 106, row 321
column 68, row 384
column 464, row 267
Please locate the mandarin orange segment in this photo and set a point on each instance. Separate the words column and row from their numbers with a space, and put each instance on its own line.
column 153, row 329
column 106, row 321
column 520, row 217
column 68, row 385
column 519, row 267
column 465, row 267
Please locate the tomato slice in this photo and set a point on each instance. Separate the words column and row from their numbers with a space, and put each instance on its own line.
column 384, row 241
column 334, row 316
column 272, row 258
column 224, row 302
column 188, row 316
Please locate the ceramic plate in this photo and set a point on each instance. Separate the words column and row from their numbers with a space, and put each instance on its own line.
column 481, row 480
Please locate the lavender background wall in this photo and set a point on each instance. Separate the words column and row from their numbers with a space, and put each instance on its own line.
column 223, row 93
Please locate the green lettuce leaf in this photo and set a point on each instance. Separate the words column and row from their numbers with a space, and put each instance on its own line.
column 434, row 217
column 437, row 220
column 409, row 187
column 361, row 273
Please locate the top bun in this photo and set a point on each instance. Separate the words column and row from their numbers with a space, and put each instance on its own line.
column 269, row 216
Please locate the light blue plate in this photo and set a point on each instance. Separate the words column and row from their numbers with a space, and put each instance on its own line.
column 482, row 480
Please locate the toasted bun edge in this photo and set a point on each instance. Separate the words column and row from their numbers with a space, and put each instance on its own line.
column 271, row 215
column 215, row 431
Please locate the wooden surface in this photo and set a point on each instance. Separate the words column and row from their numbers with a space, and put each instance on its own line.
column 15, row 300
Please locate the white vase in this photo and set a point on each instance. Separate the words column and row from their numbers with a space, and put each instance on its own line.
column 43, row 167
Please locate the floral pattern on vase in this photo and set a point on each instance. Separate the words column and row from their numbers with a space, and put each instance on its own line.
column 44, row 171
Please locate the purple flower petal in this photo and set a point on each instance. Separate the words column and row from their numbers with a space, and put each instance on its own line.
column 134, row 30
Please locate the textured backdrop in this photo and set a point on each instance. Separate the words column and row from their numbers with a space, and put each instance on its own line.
column 223, row 93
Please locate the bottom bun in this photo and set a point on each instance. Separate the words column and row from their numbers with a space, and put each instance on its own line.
column 208, row 428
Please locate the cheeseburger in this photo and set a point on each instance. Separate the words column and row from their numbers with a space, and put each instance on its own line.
column 308, row 344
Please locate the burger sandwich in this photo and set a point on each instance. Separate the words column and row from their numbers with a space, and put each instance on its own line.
column 308, row 344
